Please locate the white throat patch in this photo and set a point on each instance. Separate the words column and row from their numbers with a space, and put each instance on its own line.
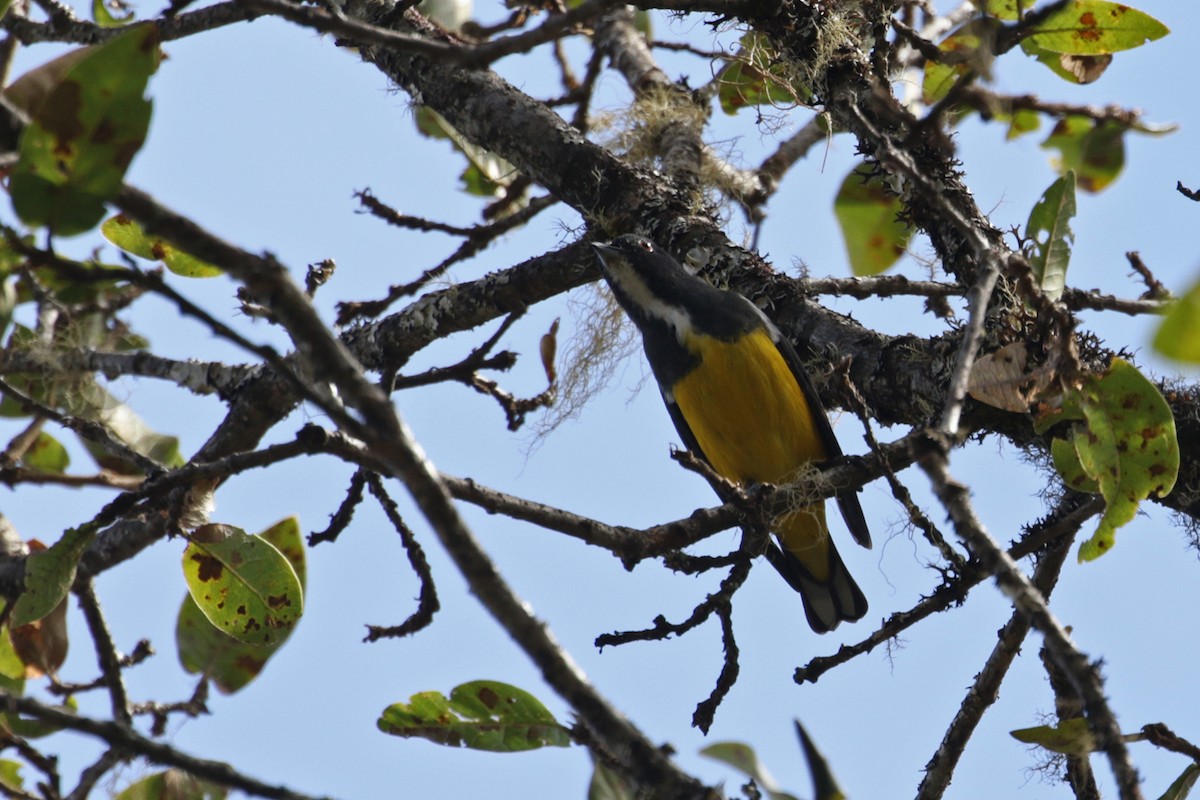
column 633, row 285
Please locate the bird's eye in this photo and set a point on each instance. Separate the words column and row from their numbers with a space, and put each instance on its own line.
column 646, row 245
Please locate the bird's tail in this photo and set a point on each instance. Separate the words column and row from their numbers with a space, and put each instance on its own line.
column 809, row 562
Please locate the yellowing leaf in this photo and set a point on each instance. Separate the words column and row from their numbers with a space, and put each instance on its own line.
column 10, row 776
column 1070, row 737
column 47, row 454
column 126, row 234
column 12, row 669
column 1022, row 121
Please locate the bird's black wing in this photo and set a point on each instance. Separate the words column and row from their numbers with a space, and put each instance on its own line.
column 681, row 426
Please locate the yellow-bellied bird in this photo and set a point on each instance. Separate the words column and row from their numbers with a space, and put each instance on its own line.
column 742, row 401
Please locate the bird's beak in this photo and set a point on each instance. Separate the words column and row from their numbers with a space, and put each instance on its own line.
column 604, row 250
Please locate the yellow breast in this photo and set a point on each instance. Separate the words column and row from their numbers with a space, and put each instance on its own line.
column 753, row 423
column 746, row 410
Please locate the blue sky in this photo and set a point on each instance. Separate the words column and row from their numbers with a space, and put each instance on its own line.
column 263, row 131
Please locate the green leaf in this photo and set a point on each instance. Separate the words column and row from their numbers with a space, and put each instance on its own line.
column 1181, row 787
column 285, row 537
column 49, row 575
column 1128, row 446
column 743, row 758
column 1021, row 122
column 229, row 663
column 476, row 182
column 47, row 454
column 11, row 666
column 1178, row 336
column 969, row 49
column 74, row 152
column 481, row 715
column 754, row 76
column 105, row 18
column 1070, row 737
column 867, row 213
column 1066, row 462
column 1007, row 9
column 1049, row 228
column 1095, row 151
column 10, row 776
column 1093, row 27
column 243, row 584
column 172, row 784
column 128, row 235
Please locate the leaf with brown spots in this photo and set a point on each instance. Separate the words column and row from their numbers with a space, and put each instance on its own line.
column 229, row 663
column 969, row 51
column 244, row 586
column 1126, row 448
column 868, row 215
column 84, row 133
column 1095, row 151
column 1095, row 27
column 481, row 715
column 128, row 235
column 42, row 644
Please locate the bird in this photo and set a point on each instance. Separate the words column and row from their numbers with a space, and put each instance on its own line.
column 742, row 401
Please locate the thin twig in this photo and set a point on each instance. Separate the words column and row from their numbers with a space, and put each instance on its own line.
column 427, row 599
column 129, row 740
column 986, row 688
column 1029, row 601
